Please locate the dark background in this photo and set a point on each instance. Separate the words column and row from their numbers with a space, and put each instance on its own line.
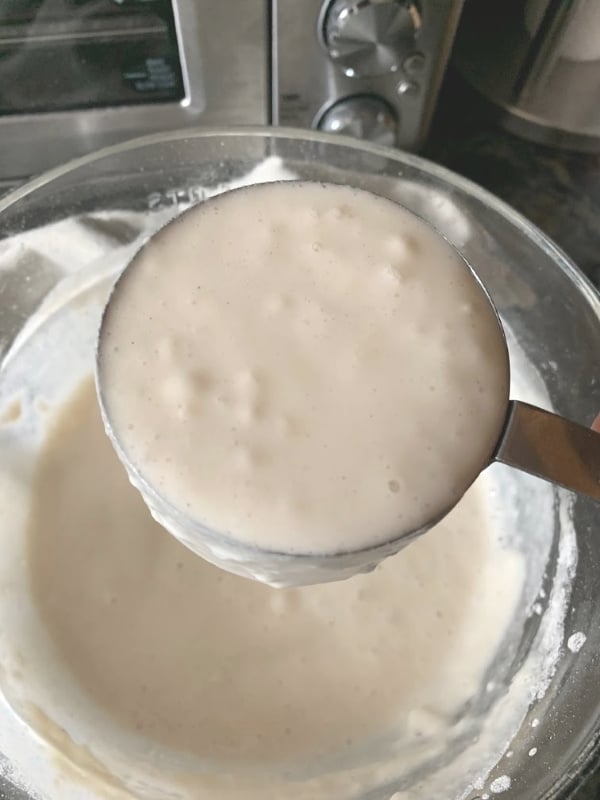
column 558, row 190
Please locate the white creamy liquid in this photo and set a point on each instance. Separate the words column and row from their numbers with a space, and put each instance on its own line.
column 68, row 653
column 306, row 368
column 241, row 675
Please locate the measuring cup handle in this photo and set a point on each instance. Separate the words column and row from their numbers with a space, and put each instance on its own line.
column 551, row 447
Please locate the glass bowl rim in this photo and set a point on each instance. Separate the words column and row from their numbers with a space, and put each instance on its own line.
column 421, row 164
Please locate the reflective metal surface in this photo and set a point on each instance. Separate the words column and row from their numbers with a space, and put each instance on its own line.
column 309, row 79
column 77, row 75
column 370, row 38
column 225, row 77
column 551, row 447
column 362, row 117
column 538, row 65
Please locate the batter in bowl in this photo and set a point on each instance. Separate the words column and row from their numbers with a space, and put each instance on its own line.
column 109, row 604
column 239, row 674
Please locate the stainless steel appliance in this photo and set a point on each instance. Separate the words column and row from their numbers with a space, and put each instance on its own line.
column 76, row 75
column 538, row 63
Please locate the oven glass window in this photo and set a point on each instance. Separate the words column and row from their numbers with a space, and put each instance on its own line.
column 61, row 55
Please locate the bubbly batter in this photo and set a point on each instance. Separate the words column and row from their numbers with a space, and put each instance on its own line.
column 90, row 588
column 235, row 672
column 307, row 368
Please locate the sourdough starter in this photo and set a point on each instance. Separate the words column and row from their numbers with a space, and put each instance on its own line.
column 306, row 368
column 130, row 667
column 235, row 672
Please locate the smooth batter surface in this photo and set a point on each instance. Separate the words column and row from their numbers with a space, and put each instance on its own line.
column 305, row 367
column 236, row 672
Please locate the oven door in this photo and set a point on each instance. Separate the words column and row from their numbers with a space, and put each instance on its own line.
column 76, row 75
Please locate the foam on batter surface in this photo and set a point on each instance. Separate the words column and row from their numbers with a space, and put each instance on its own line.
column 305, row 368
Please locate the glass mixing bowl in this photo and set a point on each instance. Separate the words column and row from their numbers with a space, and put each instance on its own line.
column 552, row 316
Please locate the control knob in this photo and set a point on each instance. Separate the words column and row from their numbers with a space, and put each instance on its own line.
column 363, row 117
column 370, row 37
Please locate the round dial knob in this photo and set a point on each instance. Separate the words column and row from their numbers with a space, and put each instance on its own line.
column 362, row 117
column 370, row 37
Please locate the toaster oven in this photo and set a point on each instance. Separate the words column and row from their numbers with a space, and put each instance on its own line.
column 76, row 75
